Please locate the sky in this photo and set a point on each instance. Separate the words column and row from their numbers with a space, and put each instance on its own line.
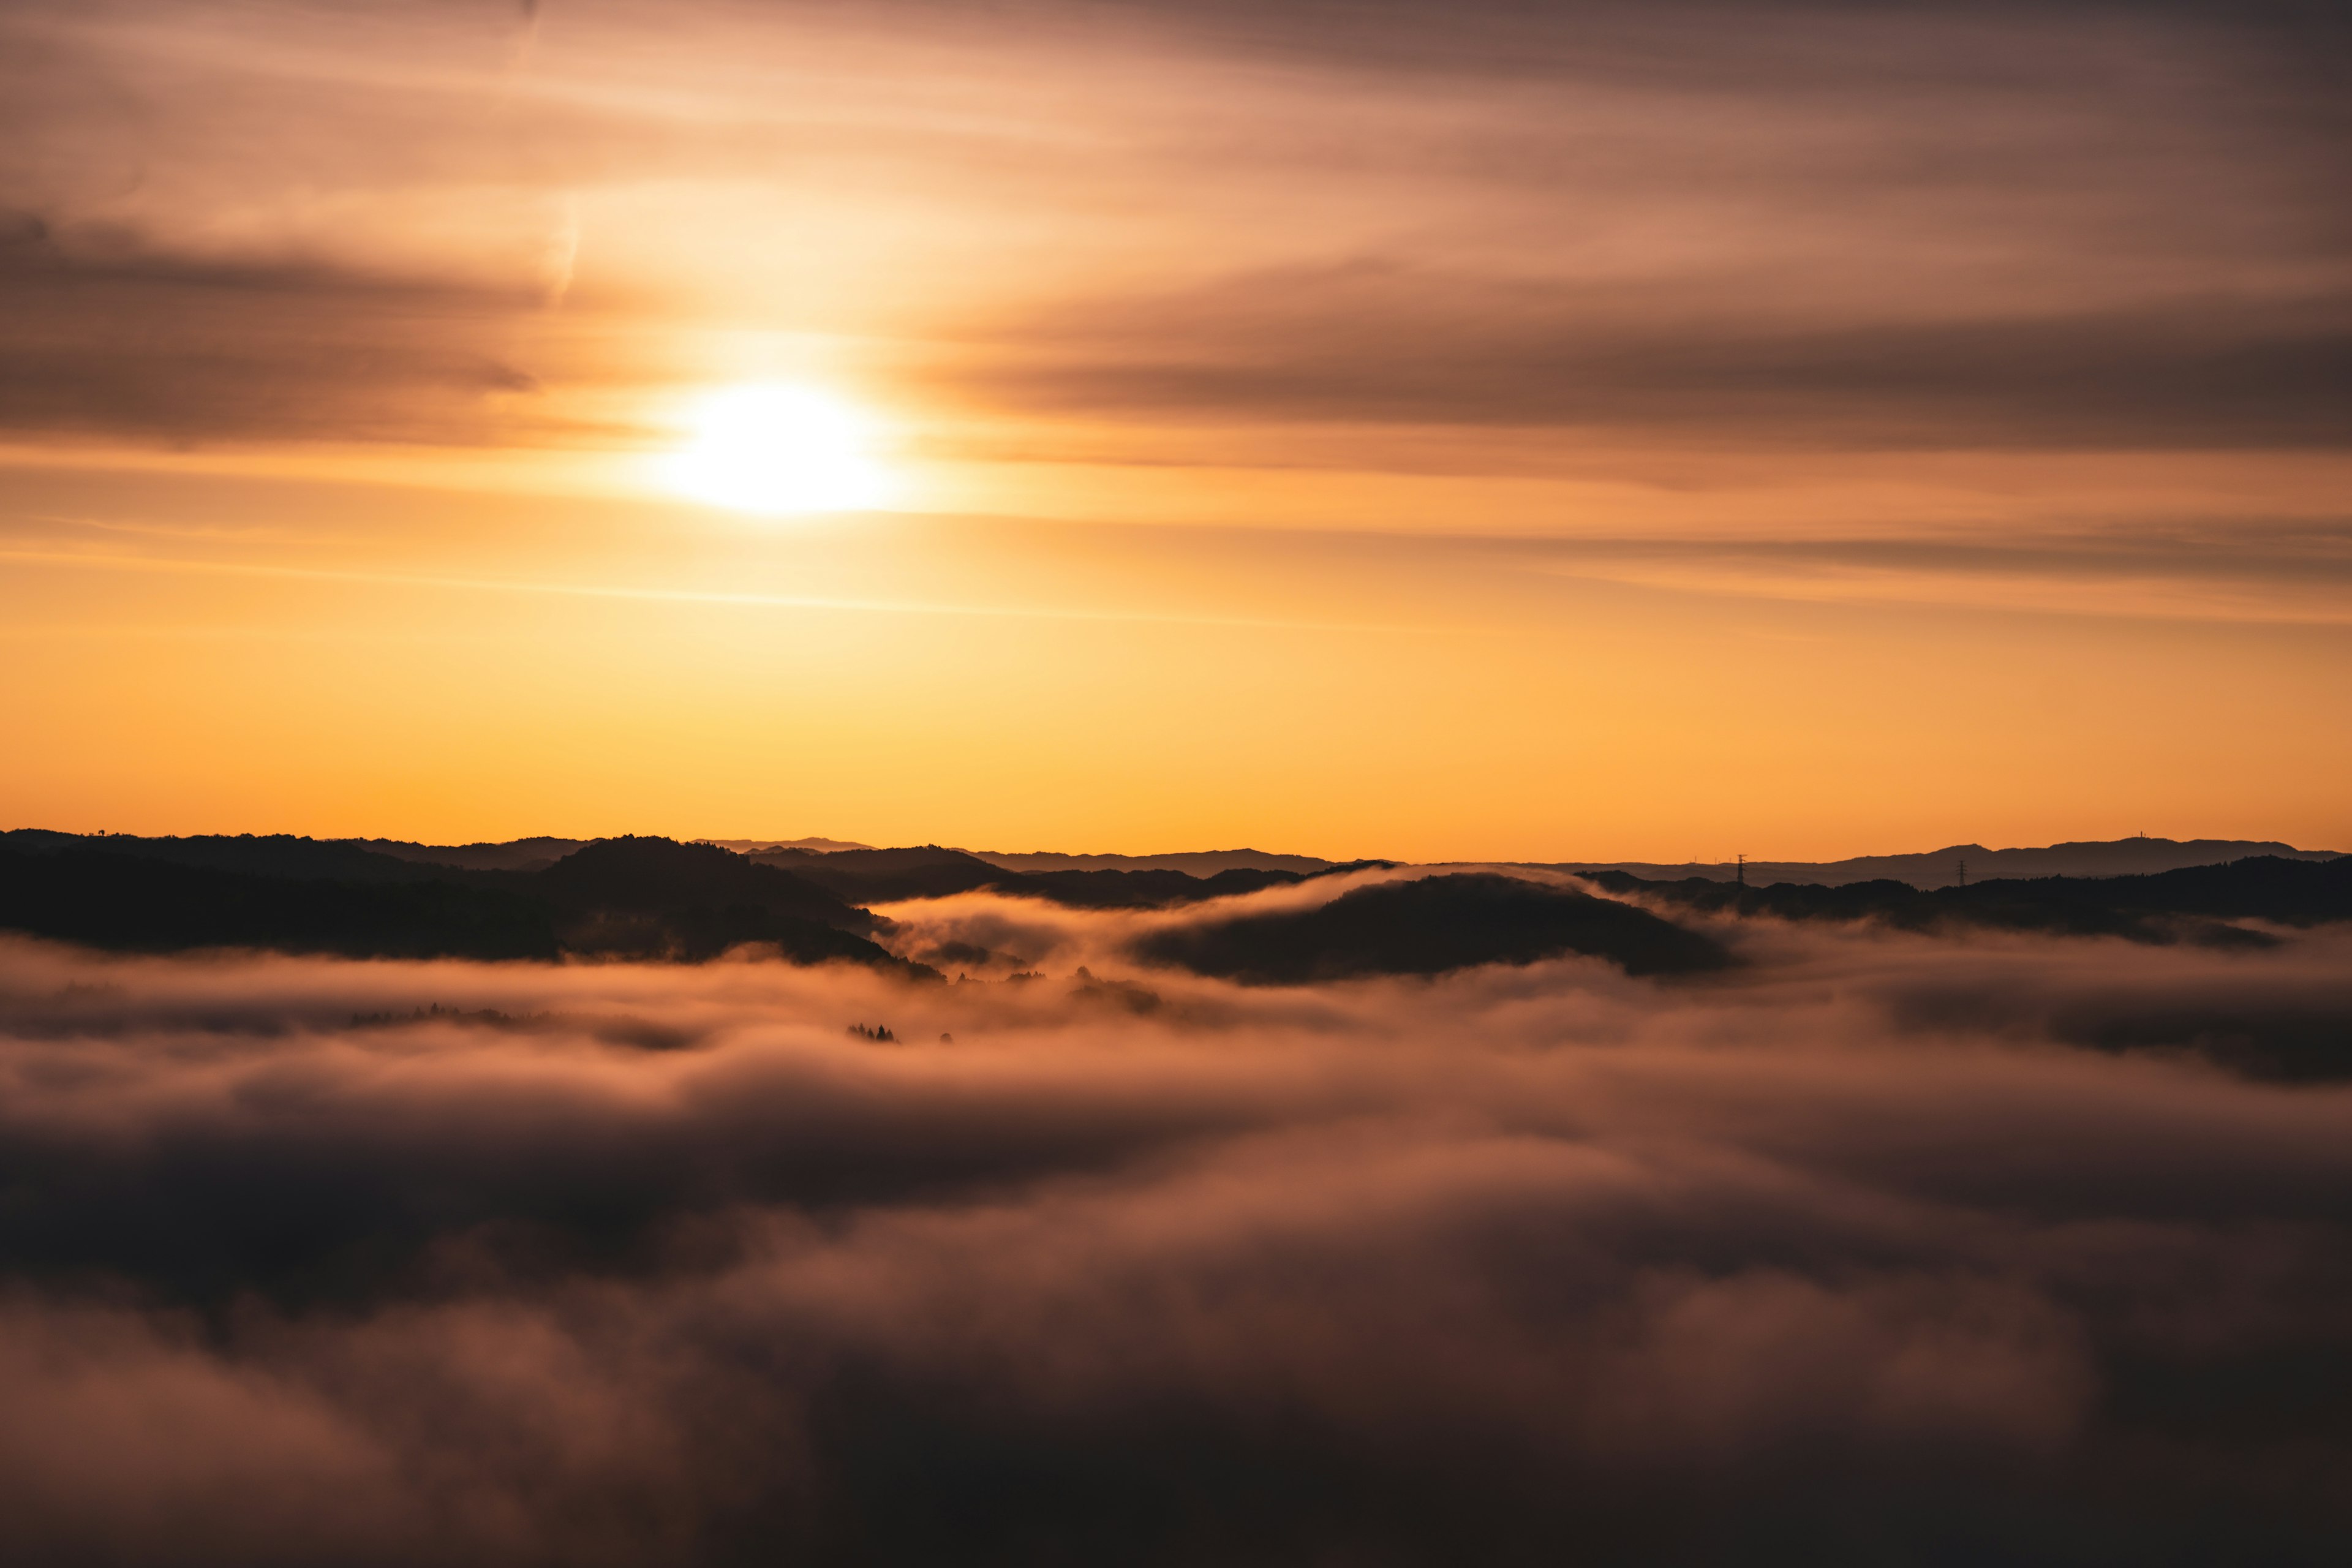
column 1477, row 430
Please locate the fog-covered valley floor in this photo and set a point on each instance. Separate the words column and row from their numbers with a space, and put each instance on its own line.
column 1870, row 1248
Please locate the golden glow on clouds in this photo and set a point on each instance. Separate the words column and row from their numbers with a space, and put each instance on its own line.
column 1529, row 478
column 777, row 449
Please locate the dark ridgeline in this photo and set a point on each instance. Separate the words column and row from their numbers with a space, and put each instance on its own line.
column 518, row 855
column 2194, row 904
column 624, row 898
column 885, row 876
column 260, row 854
column 126, row 902
column 655, row 898
column 2136, row 857
column 654, row 875
column 620, row 897
column 1162, row 889
column 1429, row 926
column 1191, row 862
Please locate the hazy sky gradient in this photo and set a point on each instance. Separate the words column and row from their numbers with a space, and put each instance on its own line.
column 1390, row 429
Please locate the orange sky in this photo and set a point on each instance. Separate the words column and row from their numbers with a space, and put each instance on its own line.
column 1382, row 430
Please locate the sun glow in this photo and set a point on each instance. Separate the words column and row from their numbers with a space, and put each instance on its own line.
column 776, row 449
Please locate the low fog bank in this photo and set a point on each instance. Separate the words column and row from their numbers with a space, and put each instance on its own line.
column 1871, row 1247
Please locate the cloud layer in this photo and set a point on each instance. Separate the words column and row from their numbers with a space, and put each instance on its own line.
column 2088, row 227
column 1847, row 1254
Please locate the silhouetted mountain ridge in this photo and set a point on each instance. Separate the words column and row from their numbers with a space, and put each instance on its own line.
column 886, row 875
column 150, row 904
column 514, row 854
column 651, row 898
column 2193, row 903
column 647, row 873
column 624, row 897
column 1161, row 888
column 1429, row 925
column 262, row 855
column 1193, row 862
column 1942, row 868
column 932, row 871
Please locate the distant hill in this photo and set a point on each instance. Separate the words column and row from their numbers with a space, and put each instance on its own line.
column 2193, row 903
column 1429, row 926
column 886, row 875
column 1154, row 887
column 515, row 855
column 661, row 877
column 824, row 885
column 1196, row 862
column 285, row 855
column 929, row 871
column 622, row 897
column 815, row 846
column 148, row 904
column 263, row 855
column 655, row 898
column 1940, row 867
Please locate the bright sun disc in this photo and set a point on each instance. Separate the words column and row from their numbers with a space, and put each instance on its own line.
column 776, row 449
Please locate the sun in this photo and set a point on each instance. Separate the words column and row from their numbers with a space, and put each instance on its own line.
column 777, row 449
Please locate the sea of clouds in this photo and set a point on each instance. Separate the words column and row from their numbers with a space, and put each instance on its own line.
column 1877, row 1248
